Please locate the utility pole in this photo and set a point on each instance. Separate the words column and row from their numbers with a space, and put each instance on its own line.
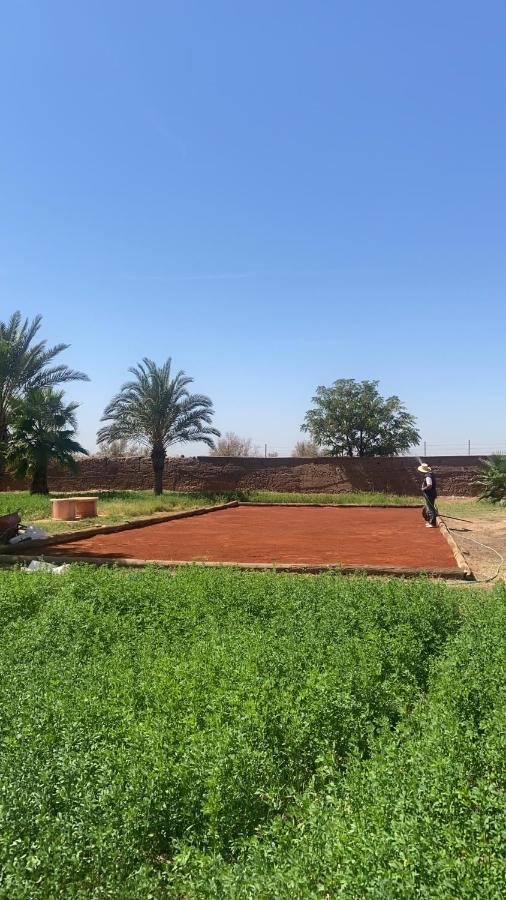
column 265, row 450
column 469, row 448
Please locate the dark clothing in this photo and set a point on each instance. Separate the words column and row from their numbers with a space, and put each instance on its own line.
column 429, row 491
column 429, row 485
column 431, row 514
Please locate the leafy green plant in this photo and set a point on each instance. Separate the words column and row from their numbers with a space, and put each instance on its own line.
column 42, row 431
column 351, row 418
column 493, row 479
column 422, row 816
column 155, row 727
column 25, row 365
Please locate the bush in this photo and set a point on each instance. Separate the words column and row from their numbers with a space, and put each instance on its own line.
column 493, row 479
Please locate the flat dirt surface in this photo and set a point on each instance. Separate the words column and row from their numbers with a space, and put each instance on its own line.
column 490, row 532
column 280, row 534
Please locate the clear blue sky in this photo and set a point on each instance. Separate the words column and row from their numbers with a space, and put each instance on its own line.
column 275, row 193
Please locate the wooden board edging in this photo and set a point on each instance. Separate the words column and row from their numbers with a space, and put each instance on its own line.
column 301, row 568
column 336, row 505
column 457, row 552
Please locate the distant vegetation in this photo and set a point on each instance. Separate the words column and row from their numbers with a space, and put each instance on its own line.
column 233, row 445
column 121, row 449
column 306, row 448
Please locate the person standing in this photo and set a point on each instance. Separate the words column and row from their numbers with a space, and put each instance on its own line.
column 429, row 491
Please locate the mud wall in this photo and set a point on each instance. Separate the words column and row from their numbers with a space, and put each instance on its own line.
column 397, row 475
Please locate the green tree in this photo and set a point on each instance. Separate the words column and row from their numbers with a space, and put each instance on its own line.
column 43, row 430
column 493, row 479
column 351, row 418
column 25, row 364
column 157, row 411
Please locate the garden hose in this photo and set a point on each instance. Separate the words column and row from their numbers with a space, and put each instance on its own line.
column 487, row 547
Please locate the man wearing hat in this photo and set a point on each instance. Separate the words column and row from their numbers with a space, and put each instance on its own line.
column 429, row 491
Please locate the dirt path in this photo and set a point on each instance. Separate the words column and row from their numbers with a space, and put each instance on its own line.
column 482, row 562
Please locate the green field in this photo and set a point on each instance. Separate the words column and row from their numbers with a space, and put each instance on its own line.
column 226, row 734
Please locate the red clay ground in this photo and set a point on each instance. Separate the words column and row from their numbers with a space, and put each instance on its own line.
column 280, row 534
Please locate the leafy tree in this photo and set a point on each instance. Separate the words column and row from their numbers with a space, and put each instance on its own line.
column 157, row 411
column 233, row 445
column 43, row 430
column 351, row 418
column 25, row 365
column 493, row 479
column 306, row 448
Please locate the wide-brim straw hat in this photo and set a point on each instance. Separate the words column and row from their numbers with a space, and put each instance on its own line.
column 424, row 468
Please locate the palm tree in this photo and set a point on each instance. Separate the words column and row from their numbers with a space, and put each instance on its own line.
column 157, row 410
column 493, row 479
column 25, row 365
column 42, row 431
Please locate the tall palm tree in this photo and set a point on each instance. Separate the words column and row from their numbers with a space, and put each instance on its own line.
column 157, row 410
column 25, row 365
column 42, row 431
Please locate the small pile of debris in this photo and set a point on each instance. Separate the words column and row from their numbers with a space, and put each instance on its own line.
column 13, row 532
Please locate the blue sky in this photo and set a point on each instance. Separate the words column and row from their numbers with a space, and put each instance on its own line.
column 276, row 194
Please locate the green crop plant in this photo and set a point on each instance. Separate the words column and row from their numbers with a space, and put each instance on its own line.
column 218, row 733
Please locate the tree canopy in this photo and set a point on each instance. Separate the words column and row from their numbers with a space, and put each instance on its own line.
column 43, row 430
column 156, row 409
column 26, row 364
column 351, row 418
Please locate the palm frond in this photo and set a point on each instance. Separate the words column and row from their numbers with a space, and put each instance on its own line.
column 43, row 431
column 492, row 480
column 26, row 364
column 158, row 409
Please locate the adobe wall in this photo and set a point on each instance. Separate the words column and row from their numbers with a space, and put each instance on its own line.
column 396, row 475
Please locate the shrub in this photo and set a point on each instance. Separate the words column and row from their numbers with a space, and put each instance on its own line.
column 493, row 479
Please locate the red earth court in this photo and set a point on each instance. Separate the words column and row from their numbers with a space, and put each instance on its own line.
column 361, row 536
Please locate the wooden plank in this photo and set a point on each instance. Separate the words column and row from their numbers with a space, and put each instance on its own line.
column 119, row 562
column 336, row 505
column 461, row 562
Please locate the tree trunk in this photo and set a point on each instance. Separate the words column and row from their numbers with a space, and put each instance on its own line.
column 39, row 481
column 4, row 435
column 158, row 462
